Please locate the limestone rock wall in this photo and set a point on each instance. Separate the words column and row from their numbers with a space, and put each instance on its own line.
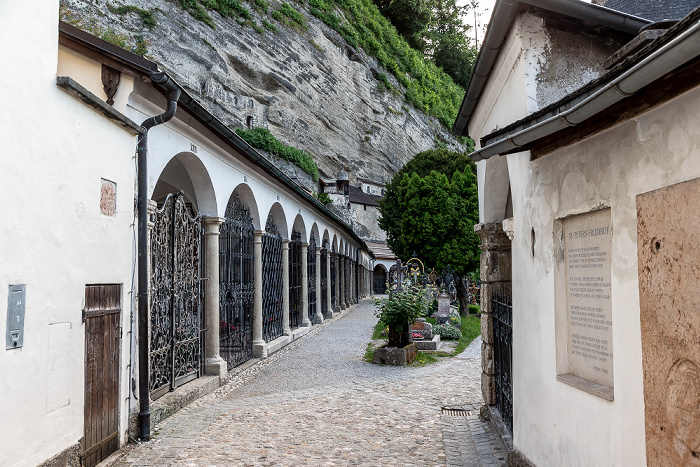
column 309, row 87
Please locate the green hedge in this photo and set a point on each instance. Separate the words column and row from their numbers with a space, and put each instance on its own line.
column 261, row 138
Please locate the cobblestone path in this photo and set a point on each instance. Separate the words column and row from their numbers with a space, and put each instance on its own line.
column 316, row 402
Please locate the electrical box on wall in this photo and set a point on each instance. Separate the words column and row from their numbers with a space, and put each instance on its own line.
column 15, row 316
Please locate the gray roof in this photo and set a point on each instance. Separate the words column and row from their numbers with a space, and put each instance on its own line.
column 503, row 14
column 655, row 10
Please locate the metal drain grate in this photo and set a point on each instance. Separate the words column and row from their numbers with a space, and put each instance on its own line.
column 457, row 412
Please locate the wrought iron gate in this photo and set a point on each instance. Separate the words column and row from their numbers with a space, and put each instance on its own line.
column 272, row 281
column 334, row 258
column 324, row 280
column 295, row 298
column 311, row 268
column 177, row 296
column 502, row 309
column 236, row 285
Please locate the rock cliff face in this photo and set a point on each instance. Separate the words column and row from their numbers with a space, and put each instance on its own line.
column 309, row 87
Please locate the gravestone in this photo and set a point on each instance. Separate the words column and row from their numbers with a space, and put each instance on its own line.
column 443, row 311
column 423, row 328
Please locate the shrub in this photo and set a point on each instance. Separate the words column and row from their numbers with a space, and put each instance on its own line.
column 446, row 331
column 398, row 310
column 474, row 309
column 261, row 138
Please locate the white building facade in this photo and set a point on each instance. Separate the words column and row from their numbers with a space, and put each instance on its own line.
column 69, row 265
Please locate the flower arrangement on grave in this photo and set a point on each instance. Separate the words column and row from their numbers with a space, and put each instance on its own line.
column 398, row 311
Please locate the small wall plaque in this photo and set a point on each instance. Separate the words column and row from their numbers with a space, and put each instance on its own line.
column 15, row 316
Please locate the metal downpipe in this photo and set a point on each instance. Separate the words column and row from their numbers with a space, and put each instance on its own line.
column 142, row 214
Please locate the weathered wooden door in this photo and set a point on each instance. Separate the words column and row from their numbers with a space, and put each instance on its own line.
column 102, row 341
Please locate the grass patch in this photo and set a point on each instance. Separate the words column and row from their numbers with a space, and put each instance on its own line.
column 369, row 353
column 146, row 16
column 261, row 138
column 424, row 358
column 378, row 328
column 471, row 328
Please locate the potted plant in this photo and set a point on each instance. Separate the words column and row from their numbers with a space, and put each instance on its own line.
column 398, row 311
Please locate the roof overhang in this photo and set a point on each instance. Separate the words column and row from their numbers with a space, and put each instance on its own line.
column 676, row 48
column 502, row 17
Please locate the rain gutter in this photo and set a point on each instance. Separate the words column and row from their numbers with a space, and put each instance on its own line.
column 672, row 55
column 501, row 19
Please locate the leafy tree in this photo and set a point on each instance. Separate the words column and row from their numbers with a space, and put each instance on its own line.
column 448, row 37
column 433, row 218
column 410, row 18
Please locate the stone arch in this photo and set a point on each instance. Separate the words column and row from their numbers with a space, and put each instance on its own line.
column 277, row 213
column 245, row 194
column 496, row 202
column 186, row 172
column 334, row 244
column 300, row 227
column 325, row 239
column 314, row 230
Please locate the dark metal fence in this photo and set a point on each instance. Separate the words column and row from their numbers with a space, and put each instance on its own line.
column 236, row 285
column 311, row 275
column 334, row 258
column 177, row 296
column 272, row 281
column 324, row 280
column 295, row 298
column 379, row 281
column 502, row 309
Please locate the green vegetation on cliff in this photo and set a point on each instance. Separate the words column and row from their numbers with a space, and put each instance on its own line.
column 261, row 138
column 423, row 84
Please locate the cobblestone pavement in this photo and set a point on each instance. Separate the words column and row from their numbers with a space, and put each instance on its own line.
column 316, row 402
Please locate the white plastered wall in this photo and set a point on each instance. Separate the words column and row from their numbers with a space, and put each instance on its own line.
column 556, row 424
column 54, row 152
column 225, row 170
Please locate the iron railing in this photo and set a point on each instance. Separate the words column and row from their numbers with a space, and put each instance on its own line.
column 177, row 296
column 334, row 258
column 502, row 312
column 295, row 298
column 272, row 281
column 236, row 285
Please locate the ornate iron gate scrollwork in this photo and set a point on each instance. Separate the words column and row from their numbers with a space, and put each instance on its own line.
column 324, row 280
column 334, row 258
column 295, row 298
column 502, row 309
column 272, row 281
column 176, row 296
column 236, row 285
column 311, row 275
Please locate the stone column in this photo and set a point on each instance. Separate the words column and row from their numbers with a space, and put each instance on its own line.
column 329, row 282
column 318, row 319
column 305, row 322
column 214, row 364
column 285, row 288
column 259, row 344
column 495, row 271
column 336, row 258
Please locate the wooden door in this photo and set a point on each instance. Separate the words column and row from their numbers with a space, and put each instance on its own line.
column 102, row 338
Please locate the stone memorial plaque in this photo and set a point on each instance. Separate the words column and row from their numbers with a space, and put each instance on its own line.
column 668, row 234
column 587, row 247
column 443, row 311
